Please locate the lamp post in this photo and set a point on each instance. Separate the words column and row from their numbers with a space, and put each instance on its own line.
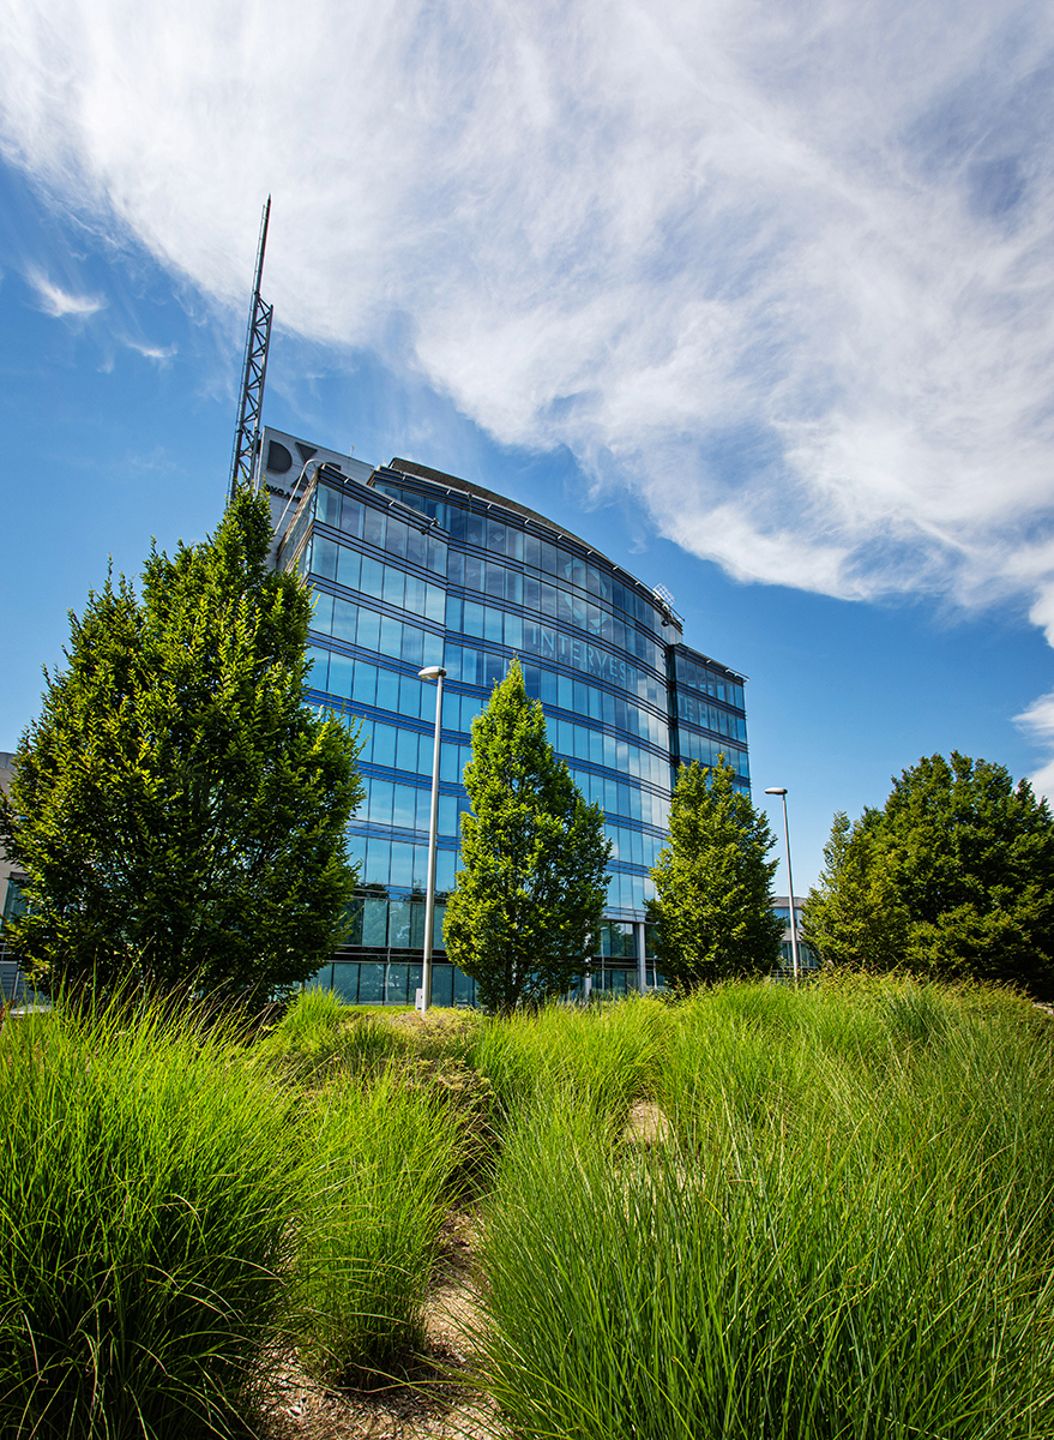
column 782, row 790
column 438, row 674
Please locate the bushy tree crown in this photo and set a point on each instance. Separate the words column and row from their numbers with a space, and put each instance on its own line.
column 177, row 810
column 952, row 878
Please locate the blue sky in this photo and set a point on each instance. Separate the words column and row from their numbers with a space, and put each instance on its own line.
column 759, row 301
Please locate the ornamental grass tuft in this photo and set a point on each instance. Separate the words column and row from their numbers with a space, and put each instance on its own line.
column 146, row 1198
column 845, row 1234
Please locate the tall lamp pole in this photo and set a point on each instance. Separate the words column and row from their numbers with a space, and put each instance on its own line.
column 782, row 790
column 438, row 674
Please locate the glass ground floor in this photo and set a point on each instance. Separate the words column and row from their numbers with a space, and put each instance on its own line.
column 395, row 982
column 388, row 970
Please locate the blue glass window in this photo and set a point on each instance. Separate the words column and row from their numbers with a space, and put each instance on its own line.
column 341, row 671
column 368, row 633
column 318, row 674
column 407, row 750
column 324, row 557
column 402, row 864
column 365, row 686
column 387, row 690
column 374, row 527
column 383, row 752
column 345, row 620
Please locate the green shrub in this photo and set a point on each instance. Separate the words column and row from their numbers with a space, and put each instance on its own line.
column 145, row 1199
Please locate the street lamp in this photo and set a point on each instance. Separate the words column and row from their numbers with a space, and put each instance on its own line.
column 438, row 674
column 782, row 790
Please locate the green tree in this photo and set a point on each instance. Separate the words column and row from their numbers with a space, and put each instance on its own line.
column 177, row 809
column 525, row 912
column 855, row 915
column 712, row 913
column 952, row 878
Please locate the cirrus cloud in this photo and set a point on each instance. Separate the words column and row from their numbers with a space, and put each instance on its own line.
column 785, row 272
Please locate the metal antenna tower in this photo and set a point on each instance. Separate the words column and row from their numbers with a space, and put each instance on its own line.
column 254, row 373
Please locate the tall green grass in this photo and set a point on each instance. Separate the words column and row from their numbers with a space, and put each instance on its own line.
column 146, row 1199
column 383, row 1155
column 319, row 1037
column 847, row 1234
column 608, row 1053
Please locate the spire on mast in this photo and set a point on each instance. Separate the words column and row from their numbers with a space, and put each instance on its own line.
column 254, row 374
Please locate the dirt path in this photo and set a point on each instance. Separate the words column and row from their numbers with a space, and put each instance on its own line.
column 432, row 1403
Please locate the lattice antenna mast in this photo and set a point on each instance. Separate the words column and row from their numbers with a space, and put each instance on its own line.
column 254, row 374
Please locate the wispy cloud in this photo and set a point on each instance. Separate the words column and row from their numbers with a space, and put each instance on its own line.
column 60, row 303
column 1037, row 721
column 787, row 273
column 160, row 354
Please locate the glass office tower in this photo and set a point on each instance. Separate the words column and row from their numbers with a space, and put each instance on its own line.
column 411, row 567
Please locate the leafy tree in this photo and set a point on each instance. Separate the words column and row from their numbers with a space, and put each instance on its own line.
column 178, row 811
column 952, row 878
column 855, row 916
column 712, row 910
column 525, row 912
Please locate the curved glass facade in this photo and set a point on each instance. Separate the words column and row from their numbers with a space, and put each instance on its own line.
column 411, row 567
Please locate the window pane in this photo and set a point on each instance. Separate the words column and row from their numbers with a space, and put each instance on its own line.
column 371, row 983
column 394, row 586
column 391, row 638
column 345, row 620
column 443, row 985
column 402, row 864
column 396, row 541
column 371, row 580
column 324, row 558
column 404, row 806
column 407, row 750
column 416, row 546
column 364, row 689
column 348, row 566
column 435, row 601
column 399, row 924
column 413, row 645
column 341, row 670
column 384, row 745
column 328, row 506
column 373, row 527
column 448, row 813
column 380, row 811
column 368, row 631
column 387, row 690
column 318, row 674
column 378, row 861
column 322, row 613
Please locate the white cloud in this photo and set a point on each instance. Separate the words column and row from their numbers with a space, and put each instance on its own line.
column 160, row 354
column 784, row 271
column 1037, row 721
column 59, row 303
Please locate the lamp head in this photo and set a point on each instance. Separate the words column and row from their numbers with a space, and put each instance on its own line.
column 431, row 672
column 776, row 790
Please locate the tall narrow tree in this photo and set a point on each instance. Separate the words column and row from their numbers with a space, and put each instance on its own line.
column 712, row 910
column 525, row 912
column 176, row 808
